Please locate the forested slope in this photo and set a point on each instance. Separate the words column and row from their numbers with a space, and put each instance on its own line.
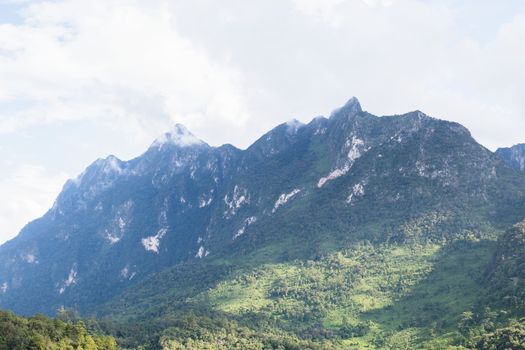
column 41, row 333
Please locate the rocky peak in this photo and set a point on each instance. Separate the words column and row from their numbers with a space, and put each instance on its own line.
column 351, row 107
column 180, row 136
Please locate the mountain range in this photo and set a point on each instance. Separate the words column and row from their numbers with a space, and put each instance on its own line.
column 322, row 234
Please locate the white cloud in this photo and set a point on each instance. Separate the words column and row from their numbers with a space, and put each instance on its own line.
column 330, row 10
column 120, row 62
column 241, row 68
column 383, row 3
column 323, row 10
column 27, row 193
column 396, row 56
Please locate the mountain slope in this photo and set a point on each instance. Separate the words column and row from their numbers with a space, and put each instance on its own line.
column 505, row 275
column 514, row 156
column 299, row 192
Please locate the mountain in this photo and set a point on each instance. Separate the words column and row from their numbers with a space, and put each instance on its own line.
column 353, row 229
column 514, row 156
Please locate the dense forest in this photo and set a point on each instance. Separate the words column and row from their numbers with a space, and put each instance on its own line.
column 41, row 333
column 467, row 295
column 201, row 332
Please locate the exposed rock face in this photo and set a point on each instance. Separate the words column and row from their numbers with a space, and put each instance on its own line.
column 514, row 156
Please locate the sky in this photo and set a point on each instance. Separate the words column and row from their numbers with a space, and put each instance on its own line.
column 80, row 80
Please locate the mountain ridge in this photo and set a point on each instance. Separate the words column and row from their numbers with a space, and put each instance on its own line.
column 183, row 201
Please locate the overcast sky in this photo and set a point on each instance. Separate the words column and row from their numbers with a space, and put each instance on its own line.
column 84, row 79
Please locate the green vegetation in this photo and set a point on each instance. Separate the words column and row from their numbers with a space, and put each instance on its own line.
column 413, row 294
column 368, row 296
column 505, row 276
column 41, row 333
column 511, row 337
column 466, row 294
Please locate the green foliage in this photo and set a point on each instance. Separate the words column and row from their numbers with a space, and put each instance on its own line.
column 384, row 295
column 505, row 277
column 41, row 333
column 507, row 338
column 365, row 296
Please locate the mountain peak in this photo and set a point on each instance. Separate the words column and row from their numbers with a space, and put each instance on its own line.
column 353, row 105
column 178, row 135
column 293, row 125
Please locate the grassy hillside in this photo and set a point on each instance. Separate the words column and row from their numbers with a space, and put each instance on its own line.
column 366, row 296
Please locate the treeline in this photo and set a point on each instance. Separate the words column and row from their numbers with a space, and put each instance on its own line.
column 41, row 333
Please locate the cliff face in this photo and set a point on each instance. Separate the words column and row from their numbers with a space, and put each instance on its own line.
column 513, row 156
